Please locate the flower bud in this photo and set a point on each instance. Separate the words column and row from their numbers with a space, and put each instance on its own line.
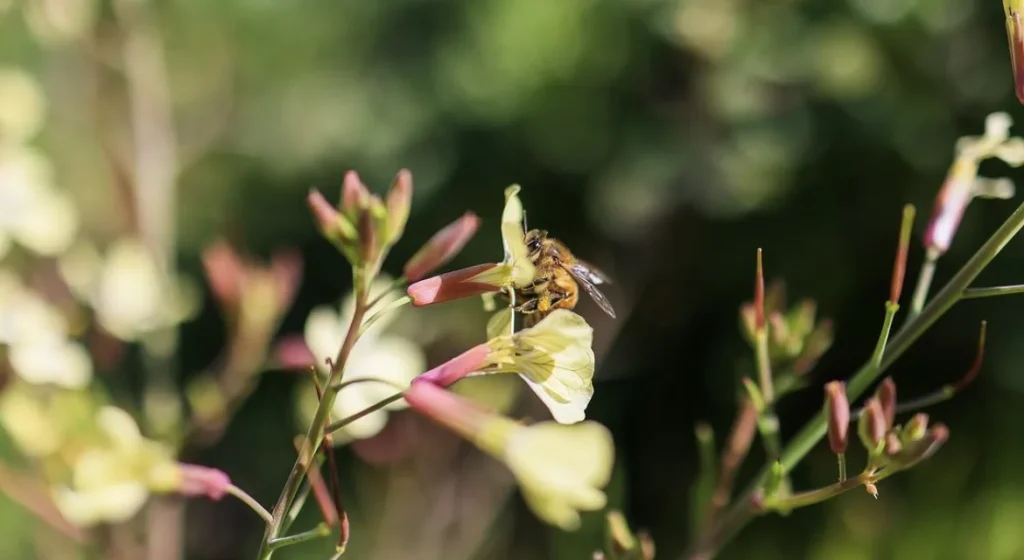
column 838, row 411
column 442, row 247
column 893, row 445
column 916, row 427
column 748, row 321
column 354, row 195
column 1015, row 35
column 924, row 447
column 886, row 394
column 335, row 226
column 871, row 427
column 457, row 284
column 200, row 481
column 399, row 201
column 815, row 345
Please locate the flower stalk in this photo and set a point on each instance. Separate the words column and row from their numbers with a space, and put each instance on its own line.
column 741, row 513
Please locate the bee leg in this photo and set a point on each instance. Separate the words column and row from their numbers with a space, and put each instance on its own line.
column 540, row 281
column 528, row 306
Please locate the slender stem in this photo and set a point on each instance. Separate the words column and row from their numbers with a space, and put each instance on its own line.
column 811, row 497
column 740, row 439
column 741, row 513
column 883, row 337
column 764, row 366
column 398, row 282
column 297, row 504
column 404, row 300
column 767, row 422
column 706, row 479
column 251, row 502
column 315, row 433
column 972, row 293
column 924, row 283
column 358, row 380
column 335, row 426
column 321, row 530
column 842, row 466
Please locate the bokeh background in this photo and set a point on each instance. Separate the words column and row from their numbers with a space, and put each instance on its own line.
column 663, row 140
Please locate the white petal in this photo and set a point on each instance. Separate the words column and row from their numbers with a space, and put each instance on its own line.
column 52, row 360
column 52, row 225
column 324, row 334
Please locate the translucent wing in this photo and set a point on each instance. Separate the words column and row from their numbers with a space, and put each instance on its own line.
column 586, row 277
column 590, row 273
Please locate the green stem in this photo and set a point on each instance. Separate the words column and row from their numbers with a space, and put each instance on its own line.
column 842, row 466
column 320, row 531
column 883, row 337
column 251, row 502
column 707, row 477
column 381, row 313
column 811, row 497
column 398, row 282
column 335, row 426
column 315, row 433
column 741, row 512
column 767, row 422
column 973, row 293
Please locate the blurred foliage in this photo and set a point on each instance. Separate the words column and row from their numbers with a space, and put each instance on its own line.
column 663, row 140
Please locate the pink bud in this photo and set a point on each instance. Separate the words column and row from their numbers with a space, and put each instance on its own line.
column 292, row 353
column 838, row 411
column 886, row 394
column 458, row 367
column 200, row 481
column 399, row 201
column 354, row 194
column 442, row 247
column 287, row 270
column 225, row 272
column 327, row 216
column 446, row 408
column 452, row 285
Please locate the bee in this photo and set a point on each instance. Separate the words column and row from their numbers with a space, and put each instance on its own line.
column 557, row 281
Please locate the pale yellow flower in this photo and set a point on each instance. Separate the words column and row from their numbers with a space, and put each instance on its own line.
column 111, row 481
column 32, row 212
column 22, row 105
column 128, row 291
column 28, row 422
column 556, row 360
column 36, row 335
column 378, row 354
column 561, row 469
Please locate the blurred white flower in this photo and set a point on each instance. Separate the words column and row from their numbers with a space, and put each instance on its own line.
column 127, row 290
column 57, row 21
column 32, row 212
column 111, row 481
column 377, row 354
column 36, row 335
column 22, row 105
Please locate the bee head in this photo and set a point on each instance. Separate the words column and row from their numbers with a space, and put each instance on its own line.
column 534, row 238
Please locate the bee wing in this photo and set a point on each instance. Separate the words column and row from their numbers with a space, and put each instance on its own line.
column 585, row 277
column 589, row 272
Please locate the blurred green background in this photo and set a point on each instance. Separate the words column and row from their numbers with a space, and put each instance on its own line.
column 664, row 141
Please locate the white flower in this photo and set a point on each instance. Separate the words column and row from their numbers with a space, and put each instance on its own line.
column 129, row 293
column 112, row 480
column 377, row 354
column 561, row 469
column 22, row 106
column 36, row 335
column 32, row 212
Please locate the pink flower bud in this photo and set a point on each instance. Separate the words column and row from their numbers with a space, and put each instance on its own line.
column 293, row 353
column 872, row 429
column 225, row 272
column 838, row 411
column 452, row 285
column 458, row 367
column 399, row 201
column 354, row 195
column 886, row 394
column 200, row 481
column 331, row 223
column 286, row 268
column 447, row 409
column 442, row 247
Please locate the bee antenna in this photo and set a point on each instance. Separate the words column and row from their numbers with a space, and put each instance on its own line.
column 525, row 229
